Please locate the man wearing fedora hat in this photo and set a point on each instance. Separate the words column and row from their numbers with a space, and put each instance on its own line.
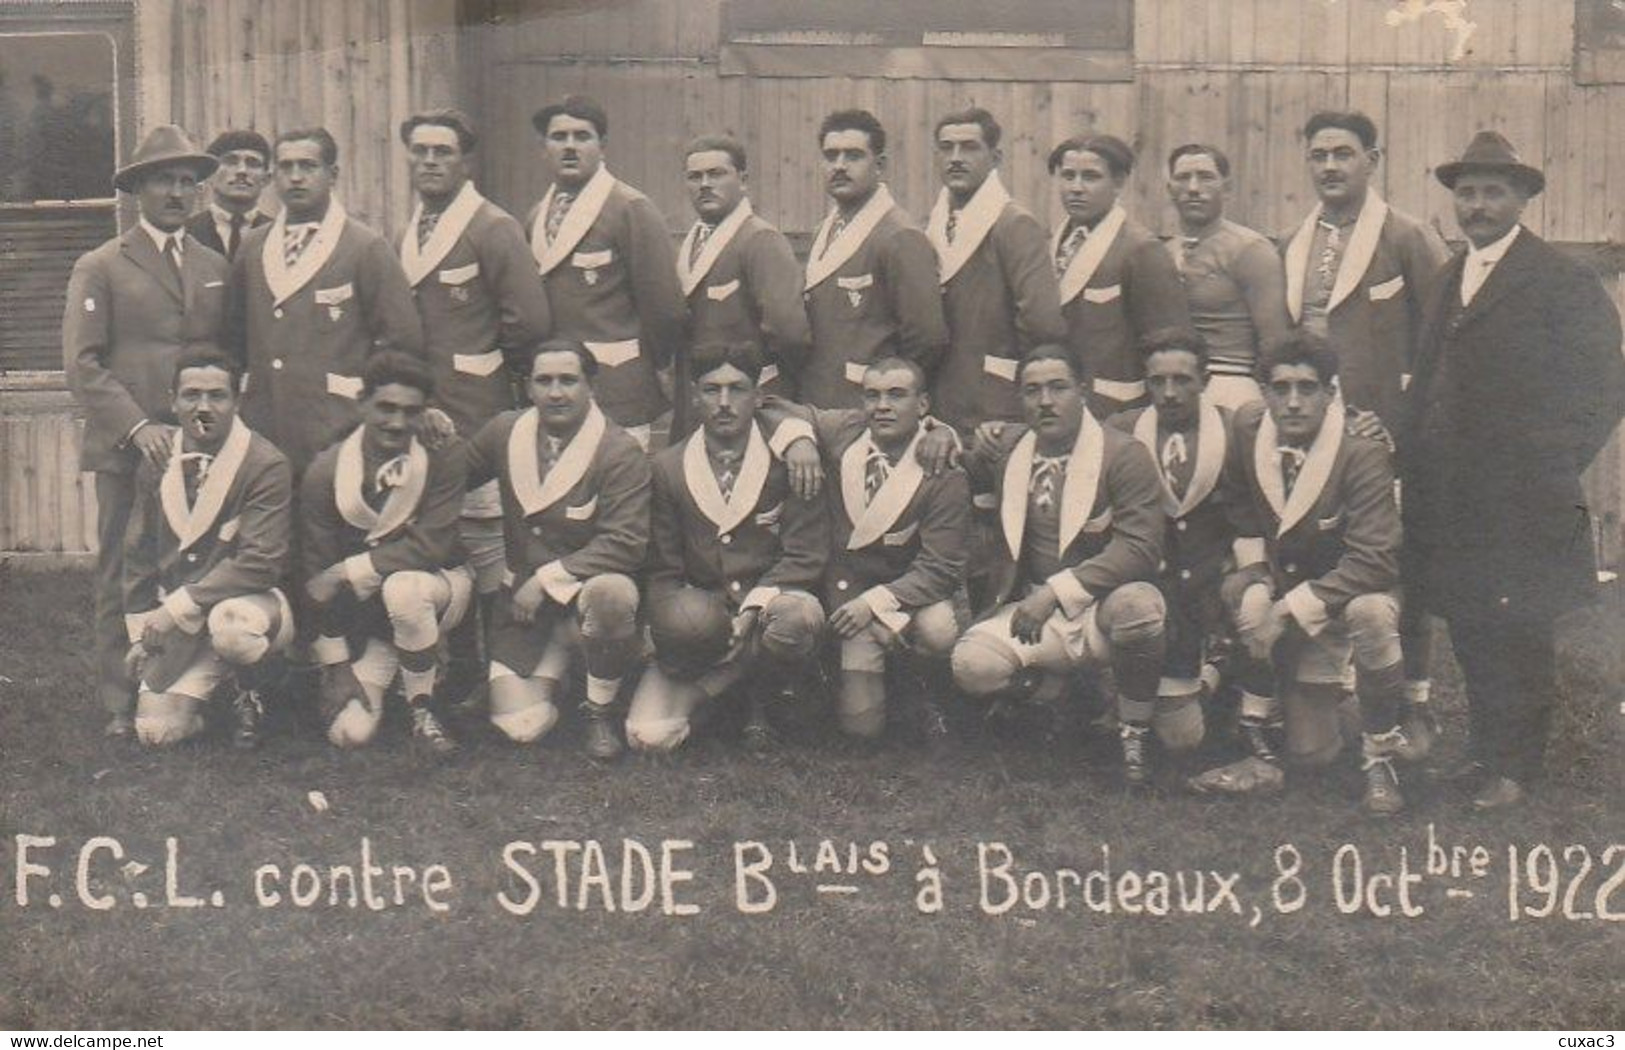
column 133, row 304
column 1519, row 381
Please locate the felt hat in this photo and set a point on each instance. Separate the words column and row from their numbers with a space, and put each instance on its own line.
column 165, row 145
column 1490, row 152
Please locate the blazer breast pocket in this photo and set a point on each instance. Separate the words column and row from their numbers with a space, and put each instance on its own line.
column 901, row 536
column 1102, row 295
column 583, row 511
column 1330, row 524
column 344, row 386
column 458, row 275
column 335, row 296
column 1387, row 289
column 1099, row 523
column 721, row 292
column 769, row 518
column 589, row 263
column 228, row 531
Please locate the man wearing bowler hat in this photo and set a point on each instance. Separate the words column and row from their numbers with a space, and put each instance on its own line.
column 133, row 304
column 1518, row 383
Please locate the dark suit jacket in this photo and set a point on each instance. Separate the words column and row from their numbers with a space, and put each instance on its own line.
column 125, row 323
column 1512, row 398
column 202, row 227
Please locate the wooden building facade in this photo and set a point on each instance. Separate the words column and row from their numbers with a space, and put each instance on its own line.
column 1242, row 74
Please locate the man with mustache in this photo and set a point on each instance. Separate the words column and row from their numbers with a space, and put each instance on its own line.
column 871, row 284
column 1358, row 272
column 735, row 562
column 1317, row 556
column 206, row 548
column 1234, row 284
column 1518, row 384
column 381, row 561
column 740, row 275
column 998, row 288
column 1080, row 510
column 133, row 305
column 575, row 518
column 314, row 294
column 606, row 259
column 234, row 191
column 483, row 307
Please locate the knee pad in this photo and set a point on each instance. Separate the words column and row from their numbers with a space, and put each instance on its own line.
column 357, row 724
column 1134, row 612
column 241, row 630
column 656, row 734
column 410, row 600
column 521, row 712
column 1179, row 721
column 166, row 718
column 983, row 665
column 608, row 604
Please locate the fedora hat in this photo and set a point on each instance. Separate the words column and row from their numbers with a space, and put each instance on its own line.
column 1491, row 152
column 164, row 145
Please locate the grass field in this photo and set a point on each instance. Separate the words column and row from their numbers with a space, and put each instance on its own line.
column 819, row 958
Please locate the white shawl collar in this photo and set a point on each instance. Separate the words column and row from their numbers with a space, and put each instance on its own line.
column 284, row 282
column 821, row 263
column 1356, row 256
column 868, row 523
column 720, row 239
column 975, row 220
column 189, row 524
column 1312, row 476
column 1087, row 260
column 349, row 477
column 577, row 221
column 524, row 463
column 1077, row 492
column 1210, row 450
column 726, row 514
column 419, row 263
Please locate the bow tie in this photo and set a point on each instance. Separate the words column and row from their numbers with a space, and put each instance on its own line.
column 391, row 474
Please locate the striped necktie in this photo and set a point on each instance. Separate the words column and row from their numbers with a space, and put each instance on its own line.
column 556, row 212
column 1069, row 248
column 702, row 234
column 1046, row 483
column 876, row 469
column 426, row 225
column 295, row 240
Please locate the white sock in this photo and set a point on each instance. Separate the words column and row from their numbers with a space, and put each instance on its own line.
column 601, row 691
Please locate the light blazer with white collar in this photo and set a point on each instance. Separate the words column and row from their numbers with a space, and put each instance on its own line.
column 873, row 292
column 415, row 528
column 590, row 515
column 305, row 334
column 1199, row 534
column 611, row 282
column 765, row 539
column 1111, row 516
column 1335, row 537
column 1374, row 317
column 232, row 541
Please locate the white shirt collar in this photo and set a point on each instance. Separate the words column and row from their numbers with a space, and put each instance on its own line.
column 160, row 238
column 222, row 217
column 1491, row 254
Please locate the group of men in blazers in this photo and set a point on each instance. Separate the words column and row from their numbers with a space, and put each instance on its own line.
column 989, row 455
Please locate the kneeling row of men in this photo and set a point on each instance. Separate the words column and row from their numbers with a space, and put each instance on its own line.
column 1129, row 546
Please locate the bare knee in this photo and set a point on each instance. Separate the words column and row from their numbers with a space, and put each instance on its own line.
column 983, row 664
column 608, row 605
column 1133, row 612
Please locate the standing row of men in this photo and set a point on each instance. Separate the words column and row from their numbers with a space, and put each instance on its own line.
column 970, row 313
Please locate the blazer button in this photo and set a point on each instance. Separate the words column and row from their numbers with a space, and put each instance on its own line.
column 1181, row 524
column 276, row 364
column 1184, row 574
column 734, row 585
column 192, row 556
column 727, row 538
column 535, row 530
column 840, row 585
column 277, row 313
column 1289, row 569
